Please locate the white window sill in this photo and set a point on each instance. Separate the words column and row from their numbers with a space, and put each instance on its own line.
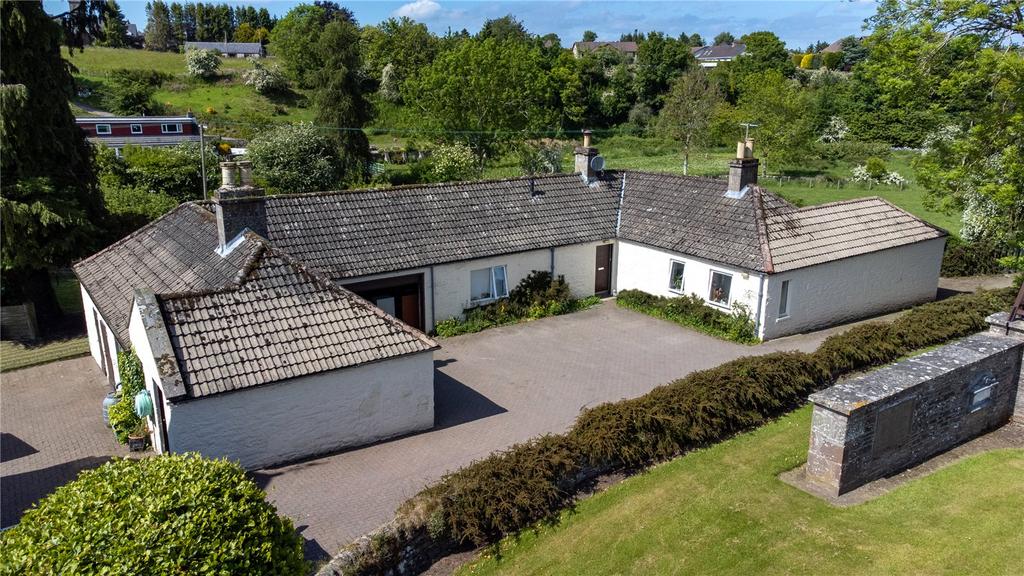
column 679, row 292
column 719, row 305
column 782, row 318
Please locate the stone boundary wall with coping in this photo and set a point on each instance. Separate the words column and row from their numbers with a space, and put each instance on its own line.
column 881, row 423
column 998, row 325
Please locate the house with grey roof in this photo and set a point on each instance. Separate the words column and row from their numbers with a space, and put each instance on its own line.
column 627, row 49
column 711, row 56
column 230, row 49
column 319, row 303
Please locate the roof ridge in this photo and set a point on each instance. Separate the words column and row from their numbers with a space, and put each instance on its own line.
column 145, row 227
column 431, row 185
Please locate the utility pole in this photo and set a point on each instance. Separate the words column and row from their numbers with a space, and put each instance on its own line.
column 202, row 157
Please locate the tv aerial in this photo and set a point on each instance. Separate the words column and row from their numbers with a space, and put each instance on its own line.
column 746, row 129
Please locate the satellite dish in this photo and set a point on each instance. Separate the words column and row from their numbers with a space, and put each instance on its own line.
column 597, row 163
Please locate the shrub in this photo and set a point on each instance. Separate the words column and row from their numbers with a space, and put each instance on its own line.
column 131, row 91
column 265, row 80
column 832, row 60
column 509, row 490
column 971, row 258
column 201, row 63
column 295, row 158
column 692, row 311
column 453, row 162
column 807, row 61
column 536, row 296
column 876, row 168
column 169, row 514
column 122, row 414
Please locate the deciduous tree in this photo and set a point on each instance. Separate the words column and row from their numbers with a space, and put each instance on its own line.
column 689, row 106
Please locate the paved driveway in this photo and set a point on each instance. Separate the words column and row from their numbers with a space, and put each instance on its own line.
column 493, row 389
column 52, row 428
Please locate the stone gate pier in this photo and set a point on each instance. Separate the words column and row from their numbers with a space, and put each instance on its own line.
column 881, row 423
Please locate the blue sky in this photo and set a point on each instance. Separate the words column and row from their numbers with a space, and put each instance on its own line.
column 797, row 22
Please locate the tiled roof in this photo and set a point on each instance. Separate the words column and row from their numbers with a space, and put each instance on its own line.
column 174, row 253
column 620, row 46
column 346, row 234
column 719, row 51
column 280, row 320
column 691, row 215
column 839, row 230
column 228, row 47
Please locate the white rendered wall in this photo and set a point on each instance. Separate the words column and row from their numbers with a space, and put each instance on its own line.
column 310, row 415
column 853, row 288
column 137, row 335
column 448, row 295
column 89, row 309
column 645, row 268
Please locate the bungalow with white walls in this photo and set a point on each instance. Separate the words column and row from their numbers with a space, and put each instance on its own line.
column 417, row 255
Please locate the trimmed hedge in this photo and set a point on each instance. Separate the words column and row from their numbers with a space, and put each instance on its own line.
column 536, row 296
column 531, row 482
column 170, row 514
column 693, row 312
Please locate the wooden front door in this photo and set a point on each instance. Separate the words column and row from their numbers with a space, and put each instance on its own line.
column 603, row 271
column 400, row 296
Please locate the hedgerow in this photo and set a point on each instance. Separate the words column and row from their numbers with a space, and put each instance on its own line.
column 532, row 482
column 692, row 311
column 169, row 514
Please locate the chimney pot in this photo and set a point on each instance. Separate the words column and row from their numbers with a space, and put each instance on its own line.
column 583, row 156
column 586, row 138
column 227, row 174
column 245, row 172
column 743, row 169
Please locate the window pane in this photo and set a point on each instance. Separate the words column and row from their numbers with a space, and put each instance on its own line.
column 981, row 398
column 480, row 284
column 675, row 278
column 500, row 285
column 103, row 128
column 136, row 128
column 784, row 299
column 386, row 304
column 720, row 285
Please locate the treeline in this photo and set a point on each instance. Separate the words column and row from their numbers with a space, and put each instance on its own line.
column 168, row 26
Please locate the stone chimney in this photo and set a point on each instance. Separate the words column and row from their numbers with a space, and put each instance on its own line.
column 239, row 203
column 584, row 159
column 742, row 170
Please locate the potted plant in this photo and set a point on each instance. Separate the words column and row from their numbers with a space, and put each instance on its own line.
column 138, row 437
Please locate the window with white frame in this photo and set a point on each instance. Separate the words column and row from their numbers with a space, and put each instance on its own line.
column 721, row 285
column 675, row 277
column 136, row 128
column 170, row 128
column 488, row 284
column 103, row 129
column 784, row 300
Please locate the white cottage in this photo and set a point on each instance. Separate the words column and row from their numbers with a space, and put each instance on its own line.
column 253, row 313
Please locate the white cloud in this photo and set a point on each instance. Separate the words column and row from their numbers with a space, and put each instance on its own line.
column 419, row 9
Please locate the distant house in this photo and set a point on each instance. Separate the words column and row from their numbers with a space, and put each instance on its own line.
column 118, row 131
column 627, row 49
column 711, row 56
column 836, row 46
column 230, row 49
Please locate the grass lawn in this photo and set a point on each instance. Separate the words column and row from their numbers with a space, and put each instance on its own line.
column 14, row 355
column 723, row 510
column 99, row 61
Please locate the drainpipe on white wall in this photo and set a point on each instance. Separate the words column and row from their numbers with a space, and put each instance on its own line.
column 552, row 249
column 760, row 296
column 433, row 311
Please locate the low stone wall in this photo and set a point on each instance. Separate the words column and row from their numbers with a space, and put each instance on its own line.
column 888, row 420
column 18, row 322
column 390, row 550
column 999, row 324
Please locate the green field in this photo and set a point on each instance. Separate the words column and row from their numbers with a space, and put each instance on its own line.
column 225, row 103
column 722, row 510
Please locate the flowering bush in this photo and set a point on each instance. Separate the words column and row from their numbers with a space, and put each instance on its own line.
column 860, row 174
column 265, row 80
column 453, row 162
column 295, row 158
column 835, row 131
column 894, row 179
column 202, row 63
